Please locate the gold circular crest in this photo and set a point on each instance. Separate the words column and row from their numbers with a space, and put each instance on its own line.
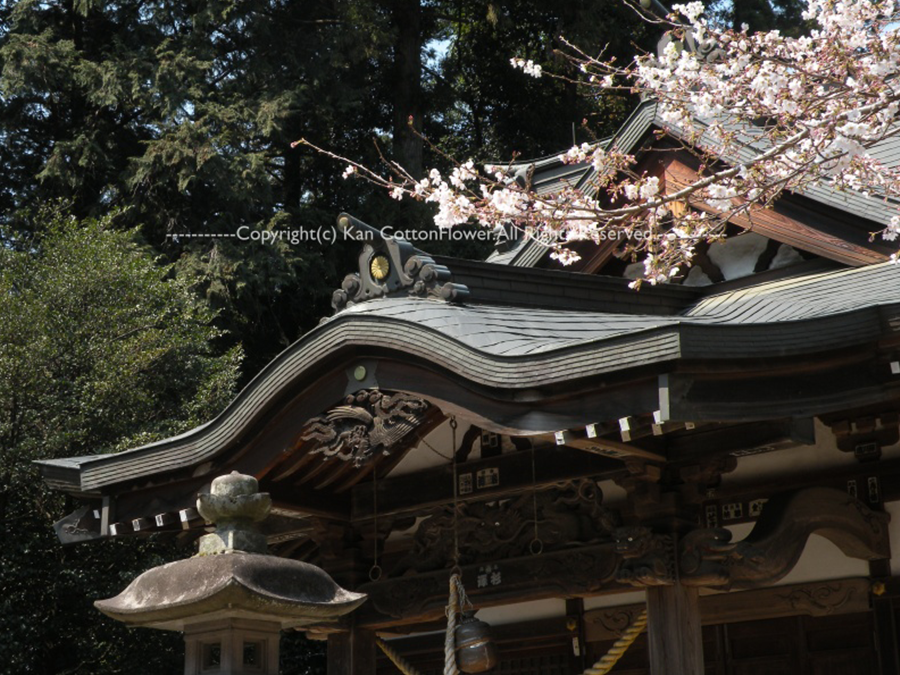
column 380, row 267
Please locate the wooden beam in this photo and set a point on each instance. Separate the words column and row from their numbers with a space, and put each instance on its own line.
column 885, row 620
column 577, row 651
column 774, row 224
column 820, row 598
column 290, row 500
column 608, row 447
column 421, row 598
column 425, row 490
column 721, row 439
column 351, row 653
column 413, row 645
column 699, row 397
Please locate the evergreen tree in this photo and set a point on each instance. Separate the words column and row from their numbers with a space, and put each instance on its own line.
column 760, row 15
column 99, row 349
column 182, row 114
column 490, row 111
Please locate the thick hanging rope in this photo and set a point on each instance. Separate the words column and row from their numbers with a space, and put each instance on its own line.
column 601, row 667
column 453, row 607
column 617, row 651
column 453, row 610
column 457, row 596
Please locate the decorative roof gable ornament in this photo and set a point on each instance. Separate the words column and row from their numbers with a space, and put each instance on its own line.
column 368, row 423
column 390, row 266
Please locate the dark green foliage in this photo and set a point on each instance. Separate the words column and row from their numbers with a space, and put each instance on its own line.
column 300, row 656
column 490, row 111
column 184, row 113
column 96, row 341
column 761, row 15
column 165, row 127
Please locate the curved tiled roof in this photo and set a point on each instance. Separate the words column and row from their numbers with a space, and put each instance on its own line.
column 516, row 348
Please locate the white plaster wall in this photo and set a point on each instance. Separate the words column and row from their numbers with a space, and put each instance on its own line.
column 786, row 255
column 615, row 600
column 798, row 461
column 612, row 493
column 736, row 257
column 820, row 560
column 441, row 441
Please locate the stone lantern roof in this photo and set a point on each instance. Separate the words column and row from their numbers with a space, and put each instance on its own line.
column 232, row 577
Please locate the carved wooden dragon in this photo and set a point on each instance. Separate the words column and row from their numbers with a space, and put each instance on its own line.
column 708, row 557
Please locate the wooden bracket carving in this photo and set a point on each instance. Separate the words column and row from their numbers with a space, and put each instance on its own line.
column 391, row 266
column 865, row 436
column 642, row 481
column 368, row 423
column 648, row 559
column 707, row 557
column 701, row 477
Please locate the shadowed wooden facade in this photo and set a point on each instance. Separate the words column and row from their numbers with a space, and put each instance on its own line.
column 725, row 452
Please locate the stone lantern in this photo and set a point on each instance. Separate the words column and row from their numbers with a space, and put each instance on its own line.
column 232, row 599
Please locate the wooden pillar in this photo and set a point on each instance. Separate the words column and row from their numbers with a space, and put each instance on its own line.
column 673, row 627
column 886, row 638
column 575, row 628
column 351, row 653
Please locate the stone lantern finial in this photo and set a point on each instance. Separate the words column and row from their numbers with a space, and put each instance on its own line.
column 235, row 505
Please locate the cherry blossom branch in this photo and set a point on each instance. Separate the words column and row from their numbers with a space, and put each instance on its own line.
column 769, row 113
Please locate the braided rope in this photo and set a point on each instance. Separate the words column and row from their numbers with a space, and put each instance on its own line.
column 617, row 651
column 402, row 664
column 450, row 667
column 458, row 596
column 601, row 667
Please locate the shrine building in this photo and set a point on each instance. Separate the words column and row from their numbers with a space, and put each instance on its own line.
column 722, row 451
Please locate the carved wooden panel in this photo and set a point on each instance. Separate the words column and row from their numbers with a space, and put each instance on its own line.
column 493, row 531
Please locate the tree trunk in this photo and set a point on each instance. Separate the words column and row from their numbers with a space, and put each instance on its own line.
column 406, row 16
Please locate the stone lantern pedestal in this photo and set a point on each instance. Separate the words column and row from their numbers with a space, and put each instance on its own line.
column 232, row 600
column 232, row 646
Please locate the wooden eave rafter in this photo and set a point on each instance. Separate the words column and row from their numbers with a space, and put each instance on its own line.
column 850, row 248
column 818, row 221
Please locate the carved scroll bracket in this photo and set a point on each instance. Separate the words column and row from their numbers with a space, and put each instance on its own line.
column 708, row 557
